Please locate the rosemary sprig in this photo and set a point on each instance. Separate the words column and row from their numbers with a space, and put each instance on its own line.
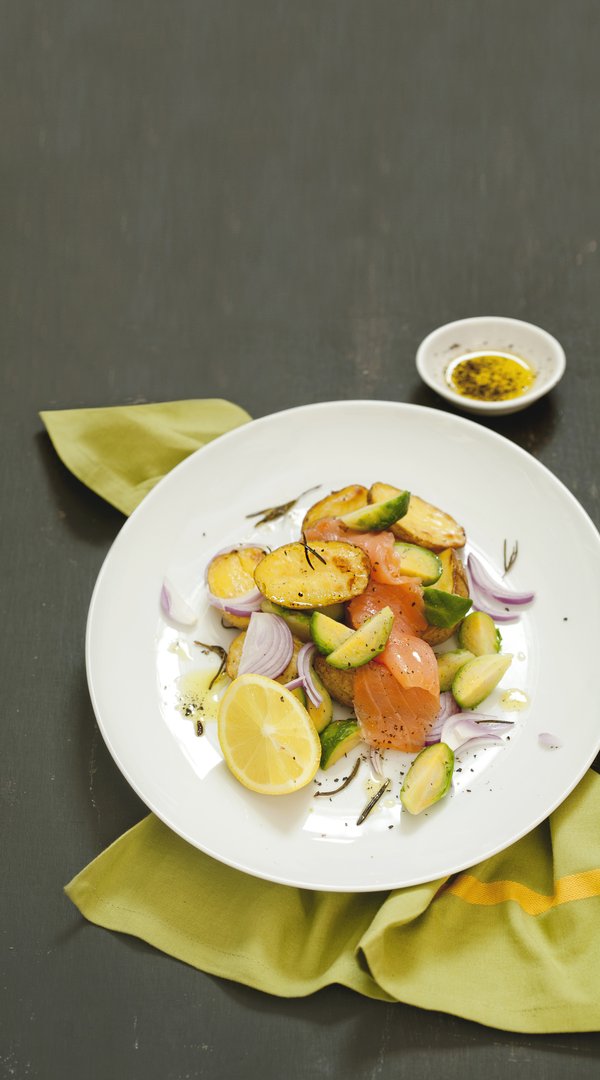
column 509, row 560
column 373, row 802
column 271, row 513
column 347, row 781
column 308, row 548
column 494, row 721
column 220, row 651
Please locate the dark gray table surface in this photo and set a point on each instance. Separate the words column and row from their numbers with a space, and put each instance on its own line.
column 270, row 202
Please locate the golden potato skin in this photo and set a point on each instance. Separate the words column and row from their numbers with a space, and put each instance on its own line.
column 231, row 574
column 352, row 497
column 340, row 684
column 233, row 655
column 423, row 523
column 336, row 573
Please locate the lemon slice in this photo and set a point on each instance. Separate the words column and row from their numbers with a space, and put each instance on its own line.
column 268, row 740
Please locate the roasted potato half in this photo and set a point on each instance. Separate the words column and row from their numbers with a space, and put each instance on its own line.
column 328, row 572
column 353, row 497
column 340, row 684
column 423, row 523
column 453, row 577
column 231, row 574
column 235, row 652
column 454, row 580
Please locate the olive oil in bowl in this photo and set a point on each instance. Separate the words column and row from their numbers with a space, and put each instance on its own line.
column 489, row 376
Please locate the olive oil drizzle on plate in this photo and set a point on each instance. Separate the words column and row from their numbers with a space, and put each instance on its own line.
column 200, row 694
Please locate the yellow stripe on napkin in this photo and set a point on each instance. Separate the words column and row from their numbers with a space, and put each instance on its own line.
column 581, row 886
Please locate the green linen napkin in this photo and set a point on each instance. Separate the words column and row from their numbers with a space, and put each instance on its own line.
column 122, row 452
column 511, row 943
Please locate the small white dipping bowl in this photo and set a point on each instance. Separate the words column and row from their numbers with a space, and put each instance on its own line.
column 491, row 334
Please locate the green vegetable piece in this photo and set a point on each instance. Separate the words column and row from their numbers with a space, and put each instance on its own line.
column 479, row 633
column 446, row 581
column 337, row 739
column 334, row 611
column 449, row 663
column 419, row 562
column 299, row 693
column 327, row 633
column 444, row 608
column 378, row 516
column 476, row 679
column 365, row 643
column 321, row 715
column 428, row 779
column 298, row 621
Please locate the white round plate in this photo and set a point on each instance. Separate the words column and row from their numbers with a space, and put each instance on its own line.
column 498, row 492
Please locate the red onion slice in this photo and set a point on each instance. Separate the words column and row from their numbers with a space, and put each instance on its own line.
column 174, row 606
column 295, row 683
column 482, row 601
column 304, row 670
column 268, row 646
column 487, row 585
column 237, row 605
column 376, row 762
column 461, row 729
column 549, row 741
column 448, row 707
column 479, row 740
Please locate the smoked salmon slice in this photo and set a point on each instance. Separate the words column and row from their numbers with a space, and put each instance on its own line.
column 392, row 716
column 396, row 696
column 405, row 599
column 396, row 708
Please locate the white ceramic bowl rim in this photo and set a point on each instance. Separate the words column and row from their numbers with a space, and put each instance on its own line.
column 494, row 333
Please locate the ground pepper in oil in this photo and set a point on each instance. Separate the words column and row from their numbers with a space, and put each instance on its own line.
column 489, row 376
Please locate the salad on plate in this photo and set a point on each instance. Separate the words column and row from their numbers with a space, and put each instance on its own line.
column 368, row 632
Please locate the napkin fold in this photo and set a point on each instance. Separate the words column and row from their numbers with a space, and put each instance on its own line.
column 512, row 943
column 123, row 451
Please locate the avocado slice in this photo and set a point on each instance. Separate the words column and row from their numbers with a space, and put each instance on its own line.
column 447, row 559
column 419, row 562
column 365, row 643
column 443, row 608
column 337, row 739
column 428, row 779
column 321, row 715
column 379, row 515
column 298, row 621
column 327, row 633
column 478, row 677
column 449, row 663
column 335, row 611
column 299, row 693
column 479, row 633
